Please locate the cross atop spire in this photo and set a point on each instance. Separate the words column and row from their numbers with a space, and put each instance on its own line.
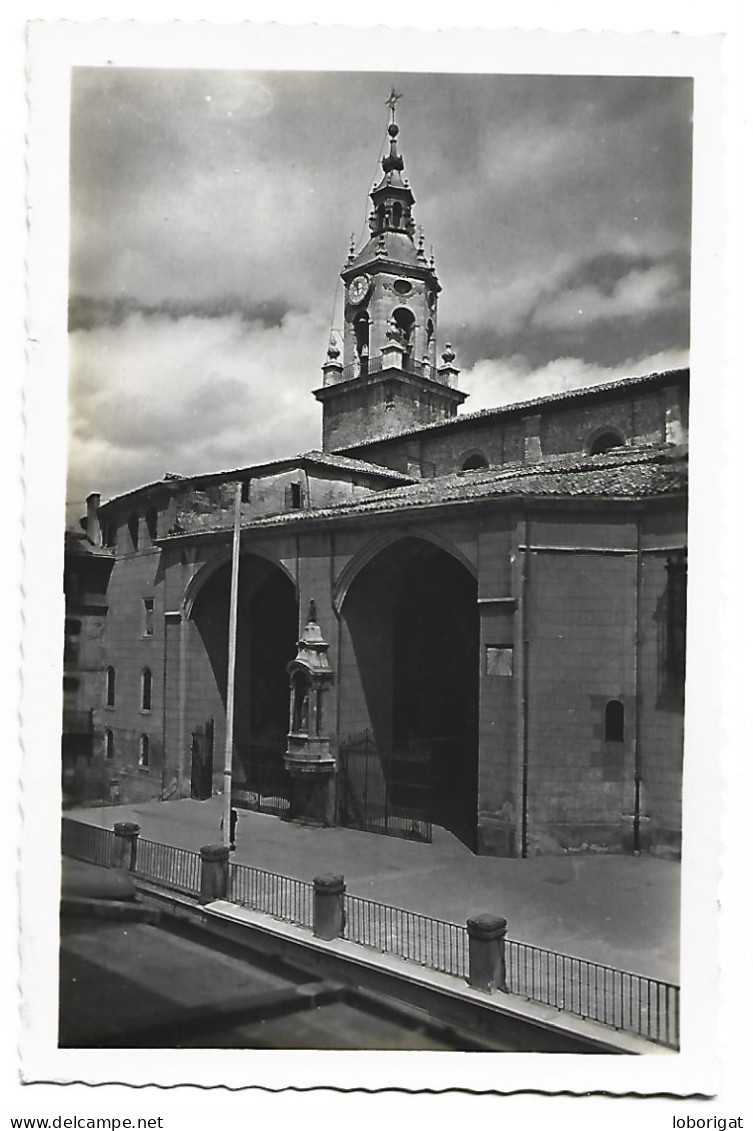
column 392, row 103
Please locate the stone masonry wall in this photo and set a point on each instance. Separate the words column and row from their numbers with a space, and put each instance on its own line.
column 641, row 417
column 382, row 407
column 662, row 711
column 581, row 628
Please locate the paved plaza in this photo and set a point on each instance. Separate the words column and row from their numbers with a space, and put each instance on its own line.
column 620, row 910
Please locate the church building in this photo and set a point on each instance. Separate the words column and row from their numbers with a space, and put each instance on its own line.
column 475, row 621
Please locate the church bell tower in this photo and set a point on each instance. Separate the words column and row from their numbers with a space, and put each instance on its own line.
column 386, row 379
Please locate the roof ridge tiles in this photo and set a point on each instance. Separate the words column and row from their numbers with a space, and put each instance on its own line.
column 525, row 405
column 592, row 477
column 313, row 455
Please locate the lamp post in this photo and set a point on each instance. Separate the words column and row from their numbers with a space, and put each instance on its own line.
column 231, row 647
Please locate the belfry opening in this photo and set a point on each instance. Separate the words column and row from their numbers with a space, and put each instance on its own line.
column 409, row 716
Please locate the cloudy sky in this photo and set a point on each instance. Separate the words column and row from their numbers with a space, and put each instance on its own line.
column 211, row 213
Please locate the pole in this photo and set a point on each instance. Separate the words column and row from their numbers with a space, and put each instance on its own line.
column 231, row 643
column 637, row 678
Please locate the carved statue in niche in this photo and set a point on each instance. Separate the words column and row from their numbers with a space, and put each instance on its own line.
column 300, row 703
column 394, row 333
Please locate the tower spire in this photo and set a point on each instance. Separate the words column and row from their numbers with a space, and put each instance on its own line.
column 392, row 198
column 387, row 378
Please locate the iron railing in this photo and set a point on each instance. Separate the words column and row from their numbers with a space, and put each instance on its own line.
column 376, row 364
column 86, row 842
column 618, row 998
column 385, row 787
column 430, row 942
column 178, row 868
column 282, row 897
column 263, row 783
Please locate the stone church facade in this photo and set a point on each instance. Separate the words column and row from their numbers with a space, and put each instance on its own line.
column 476, row 621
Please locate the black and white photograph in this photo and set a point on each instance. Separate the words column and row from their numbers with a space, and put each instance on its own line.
column 374, row 566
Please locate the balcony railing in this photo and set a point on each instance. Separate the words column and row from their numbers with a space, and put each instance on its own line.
column 410, row 365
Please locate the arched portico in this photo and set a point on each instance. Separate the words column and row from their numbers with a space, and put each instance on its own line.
column 409, row 681
column 267, row 632
column 384, row 542
column 219, row 562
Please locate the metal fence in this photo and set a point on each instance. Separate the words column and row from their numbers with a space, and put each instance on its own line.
column 264, row 784
column 86, row 842
column 418, row 938
column 178, row 868
column 385, row 787
column 283, row 897
column 618, row 998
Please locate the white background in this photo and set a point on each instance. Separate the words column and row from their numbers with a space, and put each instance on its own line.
column 722, row 657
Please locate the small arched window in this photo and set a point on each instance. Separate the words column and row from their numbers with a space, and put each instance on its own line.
column 144, row 750
column 397, row 214
column 474, row 461
column 133, row 530
column 110, row 687
column 109, row 744
column 146, row 689
column 614, row 721
column 606, row 439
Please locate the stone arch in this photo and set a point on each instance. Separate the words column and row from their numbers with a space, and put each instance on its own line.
column 474, row 460
column 267, row 632
column 207, row 571
column 603, row 439
column 409, row 669
column 362, row 337
column 349, row 572
column 405, row 320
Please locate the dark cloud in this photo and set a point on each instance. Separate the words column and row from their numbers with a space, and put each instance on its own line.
column 636, row 319
column 86, row 312
column 211, row 213
column 607, row 270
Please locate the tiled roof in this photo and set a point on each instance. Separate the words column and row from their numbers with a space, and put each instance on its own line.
column 621, row 473
column 350, row 464
column 78, row 545
column 589, row 391
column 398, row 248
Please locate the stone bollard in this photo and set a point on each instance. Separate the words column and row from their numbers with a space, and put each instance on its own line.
column 124, row 845
column 329, row 907
column 214, row 871
column 486, row 952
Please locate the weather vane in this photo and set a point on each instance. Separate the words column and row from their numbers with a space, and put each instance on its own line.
column 392, row 103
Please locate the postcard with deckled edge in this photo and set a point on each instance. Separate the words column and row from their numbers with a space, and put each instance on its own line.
column 443, row 805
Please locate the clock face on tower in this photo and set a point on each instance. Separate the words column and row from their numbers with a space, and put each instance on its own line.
column 358, row 289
